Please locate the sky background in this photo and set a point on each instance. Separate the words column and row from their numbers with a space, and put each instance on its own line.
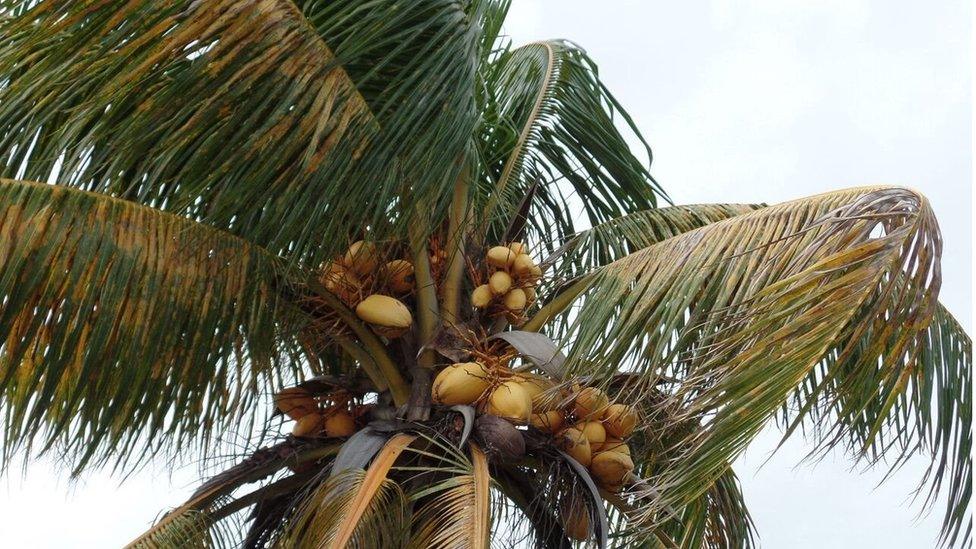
column 752, row 101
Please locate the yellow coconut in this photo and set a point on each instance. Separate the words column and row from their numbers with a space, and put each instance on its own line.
column 575, row 518
column 340, row 424
column 523, row 266
column 461, row 383
column 386, row 314
column 547, row 422
column 308, row 426
column 510, row 401
column 518, row 248
column 575, row 443
column 529, row 295
column 481, row 296
column 362, row 257
column 620, row 420
column 514, row 300
column 594, row 431
column 590, row 403
column 400, row 276
column 535, row 272
column 501, row 257
column 611, row 469
column 612, row 444
column 535, row 385
column 295, row 402
column 500, row 283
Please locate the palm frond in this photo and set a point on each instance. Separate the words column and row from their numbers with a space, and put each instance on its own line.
column 550, row 119
column 354, row 508
column 739, row 313
column 627, row 234
column 278, row 122
column 129, row 330
column 718, row 519
column 456, row 511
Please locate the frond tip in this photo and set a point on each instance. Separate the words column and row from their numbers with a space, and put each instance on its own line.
column 126, row 327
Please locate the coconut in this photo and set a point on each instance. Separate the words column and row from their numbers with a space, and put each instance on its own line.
column 461, row 383
column 575, row 518
column 518, row 248
column 590, row 402
column 481, row 296
column 514, row 300
column 387, row 315
column 340, row 281
column 547, row 422
column 400, row 276
column 575, row 443
column 295, row 402
column 535, row 385
column 611, row 469
column 523, row 266
column 339, row 424
column 500, row 283
column 500, row 438
column 529, row 295
column 510, row 401
column 362, row 257
column 612, row 444
column 620, row 420
column 310, row 425
column 594, row 431
column 500, row 257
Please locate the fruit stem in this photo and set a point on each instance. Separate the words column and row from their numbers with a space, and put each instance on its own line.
column 372, row 348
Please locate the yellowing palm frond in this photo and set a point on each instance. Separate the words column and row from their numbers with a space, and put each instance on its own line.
column 354, row 508
column 457, row 514
column 128, row 330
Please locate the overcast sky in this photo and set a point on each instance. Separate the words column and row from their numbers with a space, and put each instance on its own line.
column 754, row 101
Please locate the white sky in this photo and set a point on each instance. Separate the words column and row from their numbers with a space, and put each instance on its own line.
column 752, row 101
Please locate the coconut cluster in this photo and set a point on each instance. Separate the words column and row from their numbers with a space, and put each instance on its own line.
column 512, row 275
column 331, row 416
column 593, row 431
column 494, row 389
column 375, row 288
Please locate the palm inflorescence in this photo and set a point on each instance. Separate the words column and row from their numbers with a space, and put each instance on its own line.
column 422, row 288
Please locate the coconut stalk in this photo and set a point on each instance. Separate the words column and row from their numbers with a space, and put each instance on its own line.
column 457, row 227
column 428, row 316
column 557, row 305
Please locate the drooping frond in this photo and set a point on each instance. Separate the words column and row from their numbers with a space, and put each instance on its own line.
column 354, row 508
column 549, row 120
column 128, row 330
column 278, row 122
column 456, row 510
column 732, row 318
column 718, row 519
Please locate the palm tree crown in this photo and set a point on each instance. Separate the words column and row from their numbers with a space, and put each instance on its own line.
column 358, row 217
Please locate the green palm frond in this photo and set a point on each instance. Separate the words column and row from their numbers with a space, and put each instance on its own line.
column 550, row 120
column 718, row 519
column 742, row 312
column 278, row 124
column 627, row 234
column 129, row 330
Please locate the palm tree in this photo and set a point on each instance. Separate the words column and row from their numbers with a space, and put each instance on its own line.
column 360, row 216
